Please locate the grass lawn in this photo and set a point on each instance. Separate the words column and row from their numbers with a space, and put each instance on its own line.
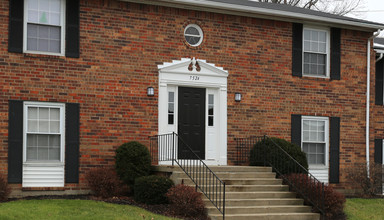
column 361, row 209
column 73, row 209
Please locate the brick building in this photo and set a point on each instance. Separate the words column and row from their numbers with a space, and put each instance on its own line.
column 75, row 77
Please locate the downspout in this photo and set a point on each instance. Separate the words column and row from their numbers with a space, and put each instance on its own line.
column 368, row 97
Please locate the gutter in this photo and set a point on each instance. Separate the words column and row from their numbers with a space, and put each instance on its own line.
column 368, row 96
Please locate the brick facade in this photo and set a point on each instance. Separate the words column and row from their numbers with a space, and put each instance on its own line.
column 121, row 45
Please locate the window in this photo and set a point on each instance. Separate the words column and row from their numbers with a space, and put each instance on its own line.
column 171, row 108
column 193, row 35
column 210, row 109
column 44, row 26
column 44, row 132
column 315, row 52
column 315, row 133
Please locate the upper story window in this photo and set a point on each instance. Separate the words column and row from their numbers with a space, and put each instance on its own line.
column 193, row 35
column 44, row 26
column 315, row 52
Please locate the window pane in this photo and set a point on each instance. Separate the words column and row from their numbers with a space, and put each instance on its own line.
column 307, row 35
column 43, row 126
column 33, row 126
column 32, row 113
column 54, row 5
column 170, row 119
column 42, row 153
column 192, row 31
column 210, row 99
column 33, row 4
column 43, row 45
column 54, row 141
column 312, row 159
column 42, row 140
column 314, row 35
column 54, row 114
column 54, row 46
column 210, row 120
column 33, row 16
column 54, row 154
column 31, row 153
column 55, row 18
column 210, row 110
column 171, row 97
column 170, row 108
column 322, row 36
column 31, row 140
column 54, row 126
column 44, row 5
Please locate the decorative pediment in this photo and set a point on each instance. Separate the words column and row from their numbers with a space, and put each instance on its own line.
column 192, row 66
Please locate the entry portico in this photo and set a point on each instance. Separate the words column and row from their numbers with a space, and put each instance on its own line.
column 193, row 103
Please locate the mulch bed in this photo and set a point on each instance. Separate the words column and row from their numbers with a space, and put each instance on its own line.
column 163, row 209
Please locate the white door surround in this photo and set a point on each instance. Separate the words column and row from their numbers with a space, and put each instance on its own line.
column 200, row 74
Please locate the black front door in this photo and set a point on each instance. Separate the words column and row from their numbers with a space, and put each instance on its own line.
column 191, row 122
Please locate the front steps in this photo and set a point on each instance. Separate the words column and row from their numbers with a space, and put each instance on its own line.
column 253, row 193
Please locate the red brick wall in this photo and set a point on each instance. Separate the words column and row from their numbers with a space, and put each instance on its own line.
column 121, row 45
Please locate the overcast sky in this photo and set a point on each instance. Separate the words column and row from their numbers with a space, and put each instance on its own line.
column 372, row 10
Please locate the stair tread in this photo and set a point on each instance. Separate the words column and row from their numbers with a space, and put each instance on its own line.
column 270, row 214
column 264, row 206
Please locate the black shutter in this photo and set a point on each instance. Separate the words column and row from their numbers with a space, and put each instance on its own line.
column 297, row 49
column 296, row 129
column 335, row 53
column 379, row 82
column 379, row 151
column 15, row 141
column 334, row 154
column 72, row 129
column 15, row 32
column 72, row 32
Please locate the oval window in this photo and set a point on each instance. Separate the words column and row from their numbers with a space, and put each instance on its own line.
column 193, row 35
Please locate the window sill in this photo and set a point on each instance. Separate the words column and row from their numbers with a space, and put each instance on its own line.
column 43, row 188
column 317, row 167
column 42, row 163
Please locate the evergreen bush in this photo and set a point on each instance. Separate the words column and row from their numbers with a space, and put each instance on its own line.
column 133, row 160
column 152, row 189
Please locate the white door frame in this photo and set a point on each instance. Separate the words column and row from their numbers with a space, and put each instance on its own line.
column 196, row 73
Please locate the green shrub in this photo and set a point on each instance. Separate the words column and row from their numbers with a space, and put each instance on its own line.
column 186, row 201
column 265, row 150
column 152, row 189
column 105, row 183
column 132, row 160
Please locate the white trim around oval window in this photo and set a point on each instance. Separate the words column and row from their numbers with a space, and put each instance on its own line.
column 201, row 34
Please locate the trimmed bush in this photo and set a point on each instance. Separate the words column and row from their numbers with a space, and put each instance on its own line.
column 368, row 187
column 264, row 151
column 152, row 189
column 186, row 201
column 5, row 190
column 333, row 200
column 105, row 182
column 132, row 160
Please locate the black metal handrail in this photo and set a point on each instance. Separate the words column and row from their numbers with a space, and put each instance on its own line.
column 292, row 172
column 171, row 147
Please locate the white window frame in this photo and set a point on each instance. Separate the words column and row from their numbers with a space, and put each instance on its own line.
column 200, row 32
column 328, row 50
column 326, row 139
column 61, row 106
column 62, row 25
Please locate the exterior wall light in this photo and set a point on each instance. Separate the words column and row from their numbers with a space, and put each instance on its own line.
column 150, row 91
column 237, row 97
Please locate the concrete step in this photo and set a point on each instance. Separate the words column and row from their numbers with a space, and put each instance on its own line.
column 258, row 202
column 270, row 216
column 222, row 175
column 253, row 188
column 231, row 181
column 258, row 195
column 240, row 169
column 261, row 209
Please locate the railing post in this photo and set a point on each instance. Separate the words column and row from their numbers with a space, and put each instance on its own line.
column 173, row 148
column 224, row 202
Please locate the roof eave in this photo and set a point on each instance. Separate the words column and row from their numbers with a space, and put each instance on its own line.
column 226, row 8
